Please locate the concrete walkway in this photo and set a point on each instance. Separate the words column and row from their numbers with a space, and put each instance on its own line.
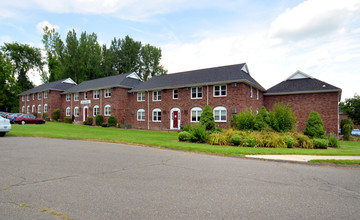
column 302, row 158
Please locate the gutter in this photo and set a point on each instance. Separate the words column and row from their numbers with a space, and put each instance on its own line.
column 301, row 92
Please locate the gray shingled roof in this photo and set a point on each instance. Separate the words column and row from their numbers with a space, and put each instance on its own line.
column 210, row 76
column 59, row 85
column 305, row 85
column 122, row 80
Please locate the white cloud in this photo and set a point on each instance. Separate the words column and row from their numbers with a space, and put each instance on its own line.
column 314, row 18
column 40, row 26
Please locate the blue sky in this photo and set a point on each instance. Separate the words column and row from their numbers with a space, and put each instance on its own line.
column 275, row 38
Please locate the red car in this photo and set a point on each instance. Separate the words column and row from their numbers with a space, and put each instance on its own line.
column 28, row 119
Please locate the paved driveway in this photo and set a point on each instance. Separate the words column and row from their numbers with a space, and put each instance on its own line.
column 49, row 179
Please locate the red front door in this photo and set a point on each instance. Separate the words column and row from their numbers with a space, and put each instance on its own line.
column 176, row 119
column 86, row 109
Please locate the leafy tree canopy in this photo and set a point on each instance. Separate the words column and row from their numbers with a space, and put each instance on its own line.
column 352, row 108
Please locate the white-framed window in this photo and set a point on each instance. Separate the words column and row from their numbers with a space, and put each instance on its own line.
column 251, row 92
column 68, row 97
column 175, row 93
column 156, row 115
column 220, row 114
column 33, row 108
column 141, row 115
column 45, row 108
column 141, row 96
column 196, row 93
column 96, row 94
column 39, row 108
column 33, row 96
column 28, row 97
column 28, row 109
column 39, row 95
column 107, row 93
column 96, row 110
column 76, row 111
column 76, row 97
column 23, row 109
column 45, row 95
column 257, row 94
column 85, row 95
column 68, row 111
column 195, row 114
column 220, row 90
column 107, row 110
column 156, row 95
column 23, row 98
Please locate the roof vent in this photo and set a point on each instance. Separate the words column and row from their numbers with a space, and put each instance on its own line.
column 324, row 86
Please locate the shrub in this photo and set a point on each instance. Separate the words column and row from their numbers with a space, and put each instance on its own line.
column 260, row 119
column 89, row 121
column 236, row 140
column 43, row 116
column 320, row 143
column 250, row 142
column 68, row 120
column 245, row 120
column 47, row 119
column 56, row 114
column 269, row 139
column 99, row 120
column 347, row 131
column 281, row 118
column 207, row 119
column 289, row 141
column 111, row 121
column 187, row 128
column 233, row 122
column 183, row 136
column 59, row 120
column 104, row 125
column 333, row 141
column 344, row 122
column 118, row 125
column 217, row 139
column 314, row 126
column 198, row 134
column 304, row 141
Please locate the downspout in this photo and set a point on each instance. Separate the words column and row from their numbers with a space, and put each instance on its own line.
column 42, row 103
column 100, row 94
column 148, row 105
column 207, row 95
column 71, row 104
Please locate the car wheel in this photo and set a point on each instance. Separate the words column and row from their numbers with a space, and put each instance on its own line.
column 2, row 134
column 23, row 122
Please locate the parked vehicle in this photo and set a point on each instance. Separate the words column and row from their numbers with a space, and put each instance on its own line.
column 13, row 116
column 5, row 126
column 355, row 132
column 28, row 119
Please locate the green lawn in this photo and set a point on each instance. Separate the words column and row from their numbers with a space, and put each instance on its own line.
column 162, row 139
column 347, row 162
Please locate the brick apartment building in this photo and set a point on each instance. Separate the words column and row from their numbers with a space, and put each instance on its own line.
column 169, row 101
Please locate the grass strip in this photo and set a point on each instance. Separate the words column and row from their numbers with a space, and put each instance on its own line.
column 347, row 162
column 163, row 139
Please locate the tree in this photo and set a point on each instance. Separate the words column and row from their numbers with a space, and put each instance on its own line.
column 24, row 58
column 150, row 62
column 352, row 108
column 89, row 52
column 129, row 55
column 71, row 57
column 8, row 88
column 207, row 119
column 54, row 47
column 314, row 126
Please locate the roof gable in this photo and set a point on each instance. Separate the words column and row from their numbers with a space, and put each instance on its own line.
column 300, row 82
column 60, row 85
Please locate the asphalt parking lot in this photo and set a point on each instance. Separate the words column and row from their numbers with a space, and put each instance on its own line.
column 56, row 179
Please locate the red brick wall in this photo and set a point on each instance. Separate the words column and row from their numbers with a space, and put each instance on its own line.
column 237, row 99
column 118, row 102
column 53, row 101
column 326, row 104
